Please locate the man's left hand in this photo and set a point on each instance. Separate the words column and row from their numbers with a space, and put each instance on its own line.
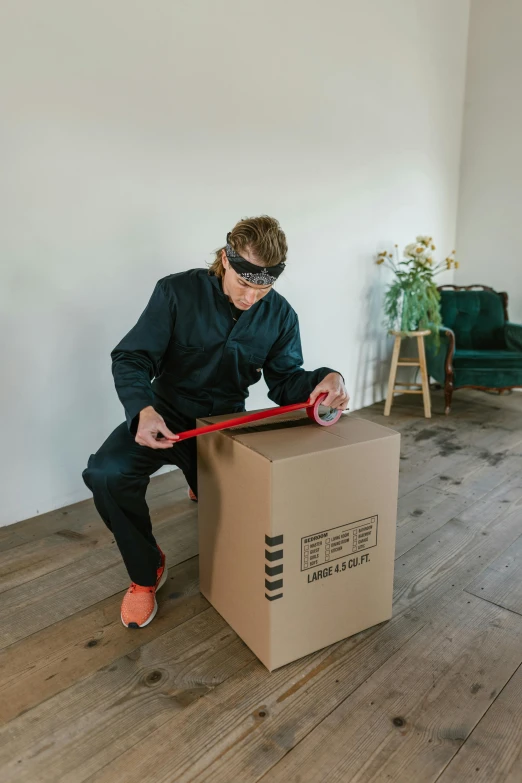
column 333, row 385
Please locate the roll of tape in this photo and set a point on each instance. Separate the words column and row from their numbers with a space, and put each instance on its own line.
column 326, row 419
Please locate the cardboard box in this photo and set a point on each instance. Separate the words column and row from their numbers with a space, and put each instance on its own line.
column 297, row 530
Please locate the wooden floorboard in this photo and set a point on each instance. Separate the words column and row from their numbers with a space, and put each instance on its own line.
column 59, row 547
column 409, row 718
column 108, row 713
column 432, row 695
column 501, row 581
column 493, row 752
column 59, row 594
column 258, row 715
column 44, row 664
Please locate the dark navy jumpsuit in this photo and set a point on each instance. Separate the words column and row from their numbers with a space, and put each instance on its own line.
column 187, row 356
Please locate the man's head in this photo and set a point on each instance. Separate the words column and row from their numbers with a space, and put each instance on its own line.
column 253, row 246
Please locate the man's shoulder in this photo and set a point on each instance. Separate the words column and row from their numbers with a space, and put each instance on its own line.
column 281, row 306
column 183, row 281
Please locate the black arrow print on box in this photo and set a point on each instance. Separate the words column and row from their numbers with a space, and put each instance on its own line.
column 273, row 570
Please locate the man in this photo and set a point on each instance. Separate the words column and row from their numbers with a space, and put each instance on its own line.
column 203, row 339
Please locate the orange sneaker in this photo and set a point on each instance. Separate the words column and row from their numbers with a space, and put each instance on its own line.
column 192, row 495
column 139, row 604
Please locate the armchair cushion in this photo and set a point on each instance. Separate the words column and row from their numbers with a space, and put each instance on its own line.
column 488, row 377
column 513, row 336
column 482, row 360
column 476, row 317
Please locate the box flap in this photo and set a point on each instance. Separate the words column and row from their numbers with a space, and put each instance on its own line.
column 293, row 435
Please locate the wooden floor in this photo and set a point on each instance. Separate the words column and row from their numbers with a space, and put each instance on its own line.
column 435, row 694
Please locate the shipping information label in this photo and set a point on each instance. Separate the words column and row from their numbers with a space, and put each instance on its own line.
column 321, row 548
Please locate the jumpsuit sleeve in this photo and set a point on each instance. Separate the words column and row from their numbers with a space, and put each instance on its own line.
column 287, row 382
column 137, row 359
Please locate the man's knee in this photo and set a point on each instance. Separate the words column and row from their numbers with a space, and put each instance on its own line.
column 102, row 475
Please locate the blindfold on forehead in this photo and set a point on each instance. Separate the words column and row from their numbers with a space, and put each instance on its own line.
column 252, row 273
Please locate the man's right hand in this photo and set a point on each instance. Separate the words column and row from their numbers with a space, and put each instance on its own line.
column 150, row 425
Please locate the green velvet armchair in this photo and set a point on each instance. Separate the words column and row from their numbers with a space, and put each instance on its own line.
column 480, row 348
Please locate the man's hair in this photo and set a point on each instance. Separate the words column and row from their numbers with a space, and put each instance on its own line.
column 263, row 237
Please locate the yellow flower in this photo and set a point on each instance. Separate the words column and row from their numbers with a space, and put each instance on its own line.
column 433, row 247
column 457, row 264
column 380, row 260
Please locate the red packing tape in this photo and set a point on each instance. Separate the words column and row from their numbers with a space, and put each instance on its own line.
column 312, row 412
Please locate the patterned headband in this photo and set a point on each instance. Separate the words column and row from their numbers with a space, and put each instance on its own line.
column 252, row 273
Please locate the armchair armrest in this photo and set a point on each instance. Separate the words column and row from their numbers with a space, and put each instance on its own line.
column 440, row 357
column 513, row 336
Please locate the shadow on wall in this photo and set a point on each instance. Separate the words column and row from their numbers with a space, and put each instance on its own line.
column 85, row 393
column 371, row 374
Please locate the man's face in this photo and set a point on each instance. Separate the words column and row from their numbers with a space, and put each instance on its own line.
column 242, row 294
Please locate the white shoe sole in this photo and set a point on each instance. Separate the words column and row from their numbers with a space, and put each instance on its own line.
column 154, row 611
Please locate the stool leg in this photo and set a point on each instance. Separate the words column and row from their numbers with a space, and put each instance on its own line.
column 393, row 375
column 424, row 378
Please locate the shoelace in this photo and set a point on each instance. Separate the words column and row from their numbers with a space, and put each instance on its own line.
column 134, row 588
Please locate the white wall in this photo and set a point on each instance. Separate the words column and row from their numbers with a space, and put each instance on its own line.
column 490, row 208
column 136, row 134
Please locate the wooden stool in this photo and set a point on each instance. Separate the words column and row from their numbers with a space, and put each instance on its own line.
column 392, row 385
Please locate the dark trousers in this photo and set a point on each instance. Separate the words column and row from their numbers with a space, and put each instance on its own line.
column 118, row 476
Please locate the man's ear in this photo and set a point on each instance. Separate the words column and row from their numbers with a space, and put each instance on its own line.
column 224, row 259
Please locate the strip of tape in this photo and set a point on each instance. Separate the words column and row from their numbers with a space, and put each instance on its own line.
column 325, row 419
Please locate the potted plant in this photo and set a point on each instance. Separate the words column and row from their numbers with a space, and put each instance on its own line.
column 412, row 301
